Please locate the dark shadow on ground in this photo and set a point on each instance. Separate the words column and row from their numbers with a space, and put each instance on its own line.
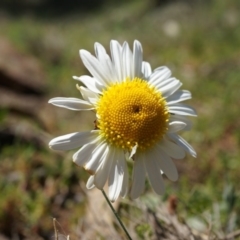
column 49, row 8
column 59, row 8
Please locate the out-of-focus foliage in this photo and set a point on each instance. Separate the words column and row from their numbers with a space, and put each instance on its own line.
column 66, row 7
column 199, row 41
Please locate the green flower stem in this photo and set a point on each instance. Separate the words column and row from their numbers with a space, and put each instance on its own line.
column 116, row 215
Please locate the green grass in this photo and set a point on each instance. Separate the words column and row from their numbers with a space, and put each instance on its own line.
column 204, row 55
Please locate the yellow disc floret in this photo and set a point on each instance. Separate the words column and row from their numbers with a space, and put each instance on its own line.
column 132, row 112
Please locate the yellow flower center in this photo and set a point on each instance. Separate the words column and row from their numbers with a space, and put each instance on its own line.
column 132, row 112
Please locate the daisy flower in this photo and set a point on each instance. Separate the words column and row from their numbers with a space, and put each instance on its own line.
column 138, row 114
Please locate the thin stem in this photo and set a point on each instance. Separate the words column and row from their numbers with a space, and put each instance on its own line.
column 116, row 215
column 55, row 229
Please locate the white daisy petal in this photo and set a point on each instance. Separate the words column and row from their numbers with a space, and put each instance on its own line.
column 181, row 119
column 182, row 109
column 165, row 163
column 89, row 95
column 102, row 173
column 127, row 62
column 139, row 175
column 170, row 88
column 124, row 190
column 100, row 52
column 82, row 156
column 116, row 175
column 172, row 149
column 116, row 53
column 71, row 103
column 137, row 59
column 153, row 172
column 98, row 156
column 94, row 67
column 165, row 83
column 178, row 96
column 72, row 140
column 176, row 126
column 159, row 75
column 90, row 183
column 106, row 62
column 182, row 143
column 91, row 83
column 146, row 70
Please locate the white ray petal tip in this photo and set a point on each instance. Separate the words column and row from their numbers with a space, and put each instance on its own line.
column 136, row 42
column 52, row 143
column 50, row 146
column 114, row 41
column 112, row 200
column 134, row 195
column 96, row 44
column 53, row 100
column 74, row 158
column 175, row 178
column 90, row 183
column 82, row 51
column 194, row 154
column 90, row 171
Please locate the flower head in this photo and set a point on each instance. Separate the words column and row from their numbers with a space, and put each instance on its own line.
column 138, row 113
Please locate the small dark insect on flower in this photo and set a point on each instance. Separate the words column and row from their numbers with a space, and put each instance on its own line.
column 95, row 125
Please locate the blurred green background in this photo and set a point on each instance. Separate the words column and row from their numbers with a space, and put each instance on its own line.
column 39, row 44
